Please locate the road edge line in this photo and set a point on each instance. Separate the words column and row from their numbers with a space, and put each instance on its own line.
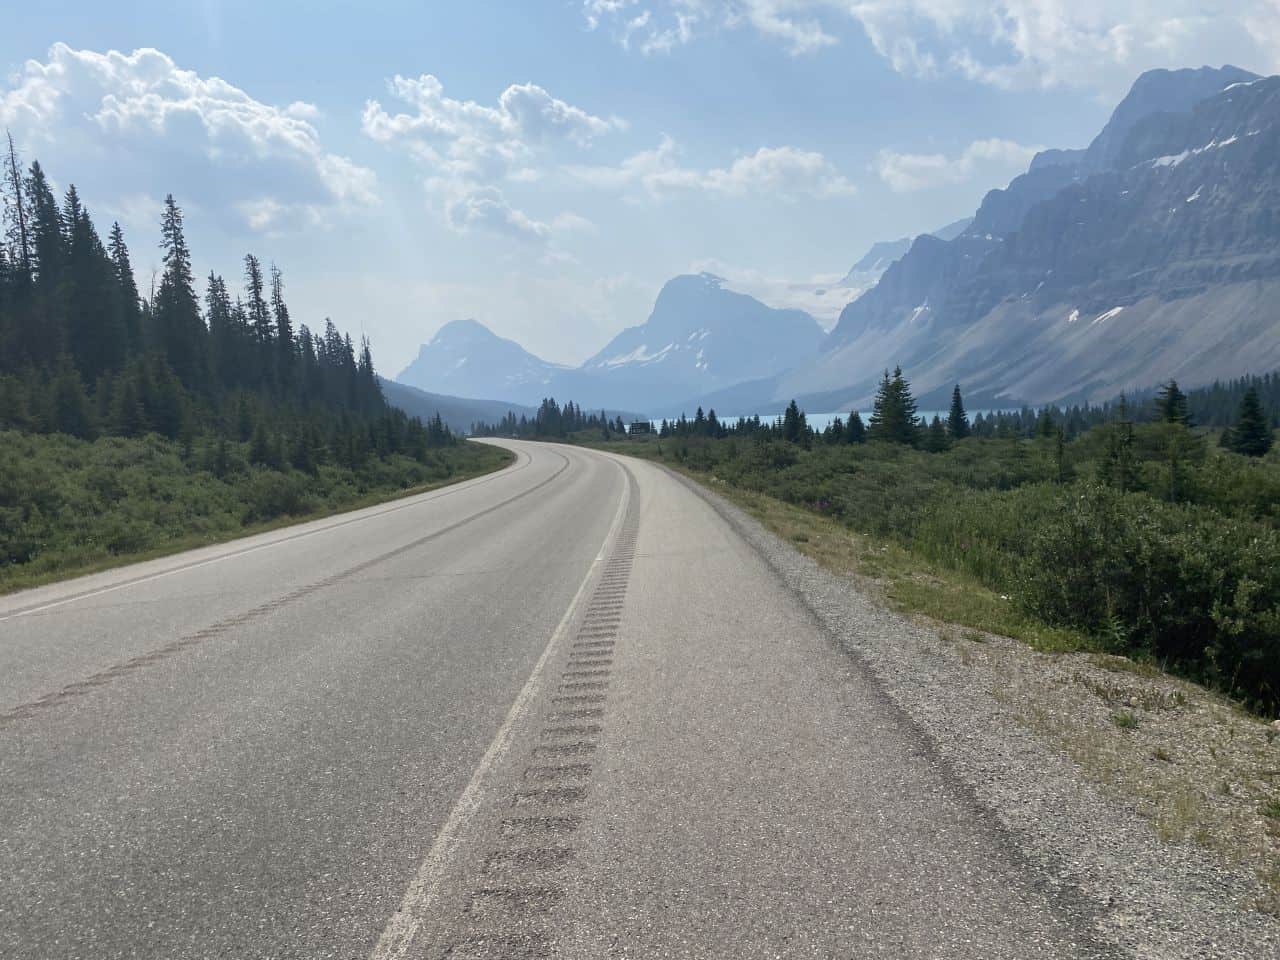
column 398, row 935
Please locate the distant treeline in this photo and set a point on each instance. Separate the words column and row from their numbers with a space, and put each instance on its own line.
column 1218, row 405
column 894, row 418
column 552, row 422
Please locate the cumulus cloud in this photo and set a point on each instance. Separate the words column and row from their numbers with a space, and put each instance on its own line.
column 143, row 123
column 1099, row 44
column 468, row 148
column 992, row 160
column 778, row 171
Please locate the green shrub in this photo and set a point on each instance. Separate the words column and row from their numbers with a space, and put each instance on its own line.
column 1184, row 568
column 66, row 504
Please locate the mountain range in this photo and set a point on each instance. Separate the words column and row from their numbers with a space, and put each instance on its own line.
column 1152, row 253
column 699, row 338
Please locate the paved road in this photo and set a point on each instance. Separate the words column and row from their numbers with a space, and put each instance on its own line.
column 564, row 710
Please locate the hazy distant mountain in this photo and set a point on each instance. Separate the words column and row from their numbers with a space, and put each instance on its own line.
column 1153, row 253
column 702, row 337
column 881, row 256
column 953, row 229
column 466, row 359
column 868, row 271
column 699, row 337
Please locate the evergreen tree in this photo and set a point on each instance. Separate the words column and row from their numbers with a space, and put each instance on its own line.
column 128, row 417
column 368, row 388
column 794, row 425
column 126, row 290
column 893, row 417
column 856, row 430
column 227, row 350
column 44, row 338
column 285, row 358
column 95, row 328
column 18, row 235
column 71, row 411
column 180, row 331
column 1171, row 404
column 1252, row 434
column 957, row 420
column 1119, row 467
column 937, row 440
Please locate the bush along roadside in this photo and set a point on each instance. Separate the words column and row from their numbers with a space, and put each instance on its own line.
column 71, row 506
column 1145, row 540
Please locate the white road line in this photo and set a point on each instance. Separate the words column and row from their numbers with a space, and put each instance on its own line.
column 392, row 508
column 423, row 888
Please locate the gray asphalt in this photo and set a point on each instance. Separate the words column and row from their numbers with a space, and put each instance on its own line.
column 564, row 710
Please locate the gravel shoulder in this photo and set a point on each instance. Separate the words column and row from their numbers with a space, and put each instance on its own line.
column 1148, row 795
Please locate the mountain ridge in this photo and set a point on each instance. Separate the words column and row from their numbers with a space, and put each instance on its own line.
column 977, row 308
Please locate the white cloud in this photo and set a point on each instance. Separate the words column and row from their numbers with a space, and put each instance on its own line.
column 143, row 123
column 777, row 171
column 991, row 160
column 467, row 148
column 485, row 208
column 1099, row 44
column 660, row 27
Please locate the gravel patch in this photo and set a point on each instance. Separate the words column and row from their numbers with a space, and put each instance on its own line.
column 1100, row 776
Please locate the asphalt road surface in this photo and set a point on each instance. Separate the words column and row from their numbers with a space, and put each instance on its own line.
column 563, row 710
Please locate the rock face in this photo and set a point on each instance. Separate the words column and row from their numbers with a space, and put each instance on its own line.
column 466, row 359
column 1153, row 253
column 701, row 337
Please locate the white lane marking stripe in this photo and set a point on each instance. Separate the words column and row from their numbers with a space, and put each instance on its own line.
column 422, row 890
column 417, row 501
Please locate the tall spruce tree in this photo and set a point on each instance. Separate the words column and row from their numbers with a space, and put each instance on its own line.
column 18, row 234
column 126, row 290
column 855, row 430
column 1251, row 435
column 1171, row 404
column 180, row 330
column 794, row 425
column 893, row 416
column 284, row 343
column 45, row 330
column 936, row 438
column 225, row 346
column 957, row 419
column 95, row 329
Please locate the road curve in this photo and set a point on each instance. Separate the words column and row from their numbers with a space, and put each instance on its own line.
column 562, row 710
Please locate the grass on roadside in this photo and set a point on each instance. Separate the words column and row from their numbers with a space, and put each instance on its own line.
column 911, row 586
column 87, row 509
column 1136, row 732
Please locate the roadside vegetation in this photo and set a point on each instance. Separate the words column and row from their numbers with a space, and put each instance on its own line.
column 1124, row 529
column 132, row 426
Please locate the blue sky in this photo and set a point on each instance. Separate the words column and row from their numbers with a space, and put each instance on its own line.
column 544, row 166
